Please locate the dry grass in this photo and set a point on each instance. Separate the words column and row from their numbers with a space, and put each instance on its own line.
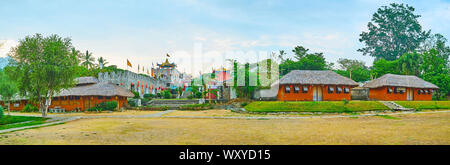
column 408, row 129
column 227, row 113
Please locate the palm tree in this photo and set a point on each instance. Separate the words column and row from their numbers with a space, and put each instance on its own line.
column 88, row 60
column 102, row 62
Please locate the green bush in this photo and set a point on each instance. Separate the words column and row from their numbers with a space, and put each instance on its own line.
column 198, row 95
column 190, row 97
column 196, row 107
column 132, row 103
column 149, row 96
column 136, row 94
column 167, row 94
column 106, row 105
column 243, row 104
column 1, row 112
column 158, row 94
column 30, row 108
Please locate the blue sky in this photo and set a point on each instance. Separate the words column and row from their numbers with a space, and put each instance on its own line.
column 144, row 31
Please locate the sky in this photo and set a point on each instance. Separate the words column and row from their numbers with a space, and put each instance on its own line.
column 201, row 35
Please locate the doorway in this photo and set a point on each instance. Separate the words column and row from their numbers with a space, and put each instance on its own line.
column 409, row 94
column 317, row 93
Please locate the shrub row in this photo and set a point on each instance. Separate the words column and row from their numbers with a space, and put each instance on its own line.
column 196, row 107
column 104, row 106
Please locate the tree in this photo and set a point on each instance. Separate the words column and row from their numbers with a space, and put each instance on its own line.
column 437, row 72
column 393, row 31
column 409, row 64
column 382, row 67
column 350, row 65
column 42, row 67
column 102, row 62
column 88, row 60
column 300, row 52
column 7, row 89
column 305, row 61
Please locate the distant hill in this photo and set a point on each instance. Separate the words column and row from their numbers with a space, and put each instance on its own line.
column 3, row 62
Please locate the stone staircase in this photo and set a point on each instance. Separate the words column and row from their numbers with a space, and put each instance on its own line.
column 394, row 106
column 172, row 103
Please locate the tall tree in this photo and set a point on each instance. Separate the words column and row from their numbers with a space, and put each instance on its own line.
column 300, row 52
column 393, row 31
column 350, row 65
column 102, row 62
column 42, row 67
column 437, row 72
column 88, row 60
column 7, row 89
column 409, row 64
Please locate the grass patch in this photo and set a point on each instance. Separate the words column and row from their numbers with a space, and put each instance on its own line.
column 195, row 107
column 388, row 117
column 7, row 122
column 310, row 106
column 419, row 105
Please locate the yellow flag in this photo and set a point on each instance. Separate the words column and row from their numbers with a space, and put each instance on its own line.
column 129, row 63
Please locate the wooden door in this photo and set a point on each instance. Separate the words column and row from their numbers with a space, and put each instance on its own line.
column 317, row 93
column 409, row 94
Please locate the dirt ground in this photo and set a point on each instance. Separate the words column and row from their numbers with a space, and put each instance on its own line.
column 432, row 128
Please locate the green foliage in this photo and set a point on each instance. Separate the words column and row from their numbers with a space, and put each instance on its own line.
column 167, row 94
column 304, row 61
column 437, row 71
column 104, row 106
column 190, row 97
column 149, row 96
column 243, row 104
column 132, row 103
column 17, row 119
column 43, row 66
column 198, row 95
column 7, row 87
column 136, row 94
column 393, row 31
column 30, row 108
column 311, row 106
column 1, row 112
column 158, row 94
column 419, row 105
column 354, row 69
column 409, row 64
column 195, row 107
column 382, row 67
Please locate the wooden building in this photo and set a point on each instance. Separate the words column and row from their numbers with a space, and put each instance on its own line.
column 400, row 87
column 86, row 94
column 314, row 85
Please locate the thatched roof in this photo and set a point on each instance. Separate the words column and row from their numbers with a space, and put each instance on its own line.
column 399, row 81
column 86, row 80
column 316, row 77
column 99, row 89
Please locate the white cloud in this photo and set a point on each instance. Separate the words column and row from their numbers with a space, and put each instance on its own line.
column 6, row 45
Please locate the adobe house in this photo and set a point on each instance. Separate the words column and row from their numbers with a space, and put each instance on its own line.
column 88, row 92
column 400, row 87
column 314, row 85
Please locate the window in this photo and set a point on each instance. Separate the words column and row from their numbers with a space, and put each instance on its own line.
column 419, row 91
column 100, row 97
column 77, row 97
column 330, row 89
column 305, row 89
column 63, row 98
column 346, row 90
column 389, row 90
column 338, row 89
column 401, row 90
column 426, row 91
column 55, row 99
column 395, row 90
column 296, row 89
column 287, row 89
column 108, row 97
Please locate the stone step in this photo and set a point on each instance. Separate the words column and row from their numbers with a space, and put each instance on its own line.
column 394, row 106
